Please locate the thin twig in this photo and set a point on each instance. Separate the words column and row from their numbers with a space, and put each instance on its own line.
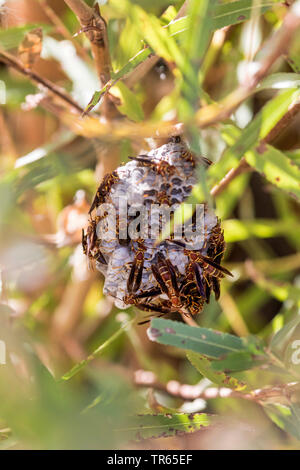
column 276, row 47
column 269, row 266
column 94, row 26
column 13, row 62
column 189, row 321
column 193, row 392
column 243, row 167
column 61, row 28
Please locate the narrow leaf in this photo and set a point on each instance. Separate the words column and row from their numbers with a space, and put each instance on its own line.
column 151, row 426
column 203, row 365
column 276, row 168
column 129, row 106
column 211, row 343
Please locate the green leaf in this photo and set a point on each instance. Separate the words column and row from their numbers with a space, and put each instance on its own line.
column 294, row 155
column 236, row 12
column 211, row 343
column 286, row 345
column 256, row 130
column 199, row 25
column 130, row 105
column 276, row 168
column 280, row 290
column 204, row 366
column 280, row 81
column 226, row 14
column 155, row 35
column 286, row 417
column 122, row 73
column 236, row 362
column 237, row 230
column 196, row 38
column 80, row 365
column 151, row 426
column 12, row 37
column 227, row 200
column 36, row 167
column 293, row 57
column 283, row 337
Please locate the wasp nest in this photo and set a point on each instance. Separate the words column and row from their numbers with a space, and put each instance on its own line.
column 128, row 213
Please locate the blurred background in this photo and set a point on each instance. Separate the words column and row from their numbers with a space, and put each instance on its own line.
column 53, row 313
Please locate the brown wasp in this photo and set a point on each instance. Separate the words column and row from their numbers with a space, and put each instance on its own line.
column 165, row 276
column 162, row 167
column 103, row 190
column 90, row 244
column 193, row 300
column 136, row 271
column 203, row 271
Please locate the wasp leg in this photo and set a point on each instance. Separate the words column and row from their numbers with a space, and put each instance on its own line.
column 207, row 291
column 83, row 242
column 100, row 258
column 216, row 287
column 104, row 188
column 150, row 318
column 198, row 275
column 154, row 292
column 140, row 158
column 177, row 242
column 153, row 308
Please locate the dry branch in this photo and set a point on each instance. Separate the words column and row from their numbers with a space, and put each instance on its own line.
column 13, row 62
column 280, row 392
column 62, row 29
column 94, row 26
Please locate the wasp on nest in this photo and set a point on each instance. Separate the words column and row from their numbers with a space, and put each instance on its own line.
column 176, row 275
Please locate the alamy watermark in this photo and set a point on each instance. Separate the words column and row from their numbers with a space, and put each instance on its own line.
column 2, row 92
column 138, row 221
column 295, row 357
column 2, row 353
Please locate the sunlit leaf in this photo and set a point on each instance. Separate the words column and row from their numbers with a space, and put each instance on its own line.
column 226, row 14
column 151, row 426
column 130, row 105
column 78, row 367
column 195, row 42
column 286, row 417
column 257, row 130
column 204, row 366
column 211, row 343
column 12, row 37
column 276, row 168
column 280, row 81
column 235, row 362
column 237, row 230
